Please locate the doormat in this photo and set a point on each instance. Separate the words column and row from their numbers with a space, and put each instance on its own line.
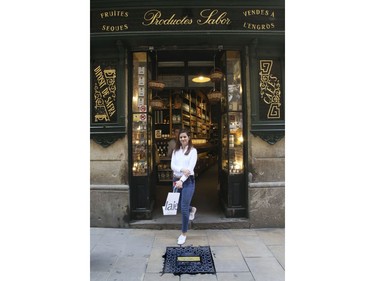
column 188, row 260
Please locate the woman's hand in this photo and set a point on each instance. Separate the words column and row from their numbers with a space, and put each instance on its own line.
column 186, row 172
column 178, row 184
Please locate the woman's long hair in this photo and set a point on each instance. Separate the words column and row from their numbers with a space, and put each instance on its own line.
column 179, row 145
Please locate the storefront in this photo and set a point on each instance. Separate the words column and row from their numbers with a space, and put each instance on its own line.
column 144, row 56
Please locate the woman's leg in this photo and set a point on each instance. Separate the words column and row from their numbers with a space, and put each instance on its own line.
column 187, row 193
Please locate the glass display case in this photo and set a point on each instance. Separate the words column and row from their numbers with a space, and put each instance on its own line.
column 142, row 176
column 140, row 147
column 235, row 143
column 234, row 83
column 232, row 120
column 141, row 121
column 224, row 142
column 232, row 179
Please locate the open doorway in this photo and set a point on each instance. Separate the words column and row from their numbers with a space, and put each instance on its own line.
column 185, row 103
column 206, row 197
column 213, row 113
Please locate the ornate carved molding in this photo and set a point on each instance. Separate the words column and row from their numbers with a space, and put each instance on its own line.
column 105, row 93
column 270, row 89
column 105, row 140
column 270, row 137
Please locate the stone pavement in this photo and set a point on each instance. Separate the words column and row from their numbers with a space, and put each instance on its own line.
column 136, row 254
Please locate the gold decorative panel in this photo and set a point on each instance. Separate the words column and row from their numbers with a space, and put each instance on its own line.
column 104, row 107
column 270, row 91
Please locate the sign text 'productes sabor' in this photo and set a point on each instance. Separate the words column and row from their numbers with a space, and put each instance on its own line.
column 207, row 17
column 117, row 20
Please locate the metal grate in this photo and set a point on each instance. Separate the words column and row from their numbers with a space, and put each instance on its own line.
column 188, row 260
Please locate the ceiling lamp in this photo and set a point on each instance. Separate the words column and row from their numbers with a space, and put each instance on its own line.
column 216, row 75
column 155, row 84
column 156, row 102
column 214, row 96
column 201, row 79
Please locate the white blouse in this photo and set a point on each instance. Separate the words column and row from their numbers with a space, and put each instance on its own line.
column 180, row 161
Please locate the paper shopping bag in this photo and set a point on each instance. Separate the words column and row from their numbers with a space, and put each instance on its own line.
column 171, row 204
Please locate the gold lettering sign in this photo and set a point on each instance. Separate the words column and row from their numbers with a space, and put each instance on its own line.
column 154, row 17
column 173, row 19
column 259, row 12
column 270, row 91
column 113, row 28
column 208, row 17
column 189, row 259
column 213, row 17
column 114, row 14
column 267, row 14
column 104, row 94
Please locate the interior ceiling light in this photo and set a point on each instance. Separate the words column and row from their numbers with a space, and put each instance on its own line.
column 201, row 79
column 155, row 84
column 216, row 75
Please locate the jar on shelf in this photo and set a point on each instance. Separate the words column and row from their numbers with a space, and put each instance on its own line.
column 177, row 101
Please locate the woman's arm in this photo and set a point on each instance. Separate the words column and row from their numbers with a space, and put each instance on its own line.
column 193, row 156
column 173, row 163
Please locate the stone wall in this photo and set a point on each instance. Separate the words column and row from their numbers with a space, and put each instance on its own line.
column 268, row 160
column 109, row 191
column 109, row 165
column 109, row 206
column 266, row 204
column 266, row 190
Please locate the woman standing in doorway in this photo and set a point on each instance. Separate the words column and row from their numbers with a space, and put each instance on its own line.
column 184, row 158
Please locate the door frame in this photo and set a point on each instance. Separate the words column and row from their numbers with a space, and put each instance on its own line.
column 229, row 212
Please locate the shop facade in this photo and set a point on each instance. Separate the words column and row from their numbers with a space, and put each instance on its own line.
column 144, row 56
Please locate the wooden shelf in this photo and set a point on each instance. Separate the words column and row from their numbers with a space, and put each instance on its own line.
column 193, row 114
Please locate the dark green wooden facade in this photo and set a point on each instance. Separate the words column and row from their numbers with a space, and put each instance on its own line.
column 119, row 28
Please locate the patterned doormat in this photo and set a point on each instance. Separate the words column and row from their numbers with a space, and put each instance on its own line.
column 188, row 260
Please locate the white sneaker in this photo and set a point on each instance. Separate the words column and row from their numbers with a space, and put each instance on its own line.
column 192, row 213
column 181, row 239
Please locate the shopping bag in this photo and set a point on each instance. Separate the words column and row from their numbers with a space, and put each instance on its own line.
column 171, row 204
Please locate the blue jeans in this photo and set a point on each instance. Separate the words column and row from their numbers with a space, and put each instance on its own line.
column 186, row 194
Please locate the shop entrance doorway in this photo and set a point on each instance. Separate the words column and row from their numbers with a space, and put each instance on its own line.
column 212, row 110
column 216, row 125
column 187, row 99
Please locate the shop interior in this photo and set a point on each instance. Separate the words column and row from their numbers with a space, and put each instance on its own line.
column 190, row 99
column 200, row 90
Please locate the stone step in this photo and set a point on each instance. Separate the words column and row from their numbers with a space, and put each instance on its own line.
column 203, row 222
